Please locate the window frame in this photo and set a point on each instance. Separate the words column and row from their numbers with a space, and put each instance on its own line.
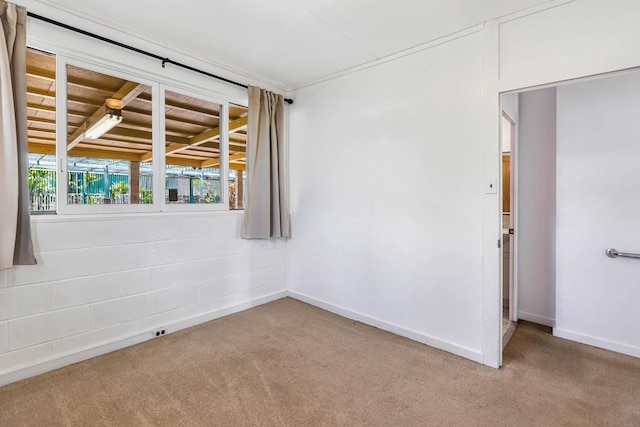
column 224, row 150
column 174, row 80
column 62, row 61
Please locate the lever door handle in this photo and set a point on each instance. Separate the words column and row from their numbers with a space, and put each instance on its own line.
column 613, row 253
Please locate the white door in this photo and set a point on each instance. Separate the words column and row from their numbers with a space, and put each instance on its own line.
column 509, row 181
column 598, row 207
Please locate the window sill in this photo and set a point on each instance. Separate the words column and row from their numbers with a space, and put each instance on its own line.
column 44, row 218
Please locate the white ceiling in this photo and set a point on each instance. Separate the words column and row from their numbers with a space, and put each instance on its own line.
column 291, row 42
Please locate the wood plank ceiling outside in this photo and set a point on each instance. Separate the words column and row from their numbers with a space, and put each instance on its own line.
column 192, row 124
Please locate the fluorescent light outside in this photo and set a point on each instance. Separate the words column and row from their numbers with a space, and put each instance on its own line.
column 102, row 126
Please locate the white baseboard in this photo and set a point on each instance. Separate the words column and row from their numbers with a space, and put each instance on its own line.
column 450, row 347
column 541, row 320
column 61, row 360
column 597, row 342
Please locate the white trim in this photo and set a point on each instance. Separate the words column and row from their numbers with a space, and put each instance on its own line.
column 125, row 216
column 223, row 153
column 392, row 57
column 59, row 361
column 440, row 344
column 597, row 342
column 159, row 83
column 159, row 135
column 223, row 121
column 530, row 11
column 491, row 327
column 536, row 318
column 62, row 116
column 435, row 42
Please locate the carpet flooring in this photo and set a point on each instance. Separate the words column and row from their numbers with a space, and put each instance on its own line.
column 290, row 364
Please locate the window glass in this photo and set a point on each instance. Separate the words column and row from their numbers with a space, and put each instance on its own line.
column 237, row 155
column 192, row 153
column 41, row 130
column 109, row 139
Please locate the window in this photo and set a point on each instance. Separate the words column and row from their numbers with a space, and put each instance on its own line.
column 41, row 126
column 110, row 151
column 192, row 152
column 109, row 139
column 237, row 155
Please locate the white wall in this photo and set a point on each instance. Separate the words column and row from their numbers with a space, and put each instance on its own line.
column 598, row 203
column 510, row 106
column 387, row 198
column 536, row 208
column 425, row 263
column 106, row 281
column 575, row 39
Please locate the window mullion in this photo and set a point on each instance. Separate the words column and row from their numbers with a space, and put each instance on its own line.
column 224, row 152
column 159, row 147
column 62, row 184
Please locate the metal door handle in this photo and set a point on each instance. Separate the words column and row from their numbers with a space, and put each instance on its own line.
column 613, row 253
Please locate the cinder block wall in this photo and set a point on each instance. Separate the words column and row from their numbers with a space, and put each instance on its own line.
column 109, row 281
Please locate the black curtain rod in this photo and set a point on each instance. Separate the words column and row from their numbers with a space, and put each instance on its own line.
column 140, row 51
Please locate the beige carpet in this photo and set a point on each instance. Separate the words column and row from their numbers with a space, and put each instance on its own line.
column 287, row 363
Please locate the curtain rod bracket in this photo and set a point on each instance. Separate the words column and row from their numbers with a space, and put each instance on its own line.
column 164, row 62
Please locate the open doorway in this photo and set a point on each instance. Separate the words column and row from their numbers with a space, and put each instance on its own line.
column 575, row 168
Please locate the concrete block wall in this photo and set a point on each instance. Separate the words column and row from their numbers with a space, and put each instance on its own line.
column 105, row 282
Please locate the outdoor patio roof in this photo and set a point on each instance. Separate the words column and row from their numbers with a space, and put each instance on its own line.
column 192, row 124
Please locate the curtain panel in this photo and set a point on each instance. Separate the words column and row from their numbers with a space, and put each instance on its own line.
column 266, row 213
column 16, row 247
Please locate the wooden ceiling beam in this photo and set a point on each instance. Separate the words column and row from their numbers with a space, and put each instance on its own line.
column 108, row 147
column 51, row 109
column 41, row 138
column 187, row 108
column 41, row 120
column 181, row 120
column 40, row 148
column 133, row 145
column 45, row 141
column 177, row 161
column 205, row 136
column 212, row 163
column 202, row 138
column 41, row 73
column 85, row 152
column 38, row 107
column 40, row 129
column 75, row 81
column 72, row 98
column 103, row 154
column 41, row 92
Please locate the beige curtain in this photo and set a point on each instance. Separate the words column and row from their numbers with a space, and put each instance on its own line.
column 266, row 213
column 16, row 247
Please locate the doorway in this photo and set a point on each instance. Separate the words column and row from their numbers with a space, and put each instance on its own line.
column 576, row 196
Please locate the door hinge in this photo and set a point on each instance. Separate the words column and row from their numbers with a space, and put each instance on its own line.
column 499, row 242
column 512, row 231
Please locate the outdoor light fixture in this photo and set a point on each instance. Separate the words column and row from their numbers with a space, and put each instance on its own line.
column 111, row 118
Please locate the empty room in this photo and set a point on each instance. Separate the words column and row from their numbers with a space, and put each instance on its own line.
column 304, row 212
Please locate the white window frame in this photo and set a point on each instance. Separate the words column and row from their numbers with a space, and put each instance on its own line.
column 224, row 150
column 159, row 82
column 62, row 61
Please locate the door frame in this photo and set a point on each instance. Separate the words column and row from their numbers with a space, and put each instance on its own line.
column 513, row 218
